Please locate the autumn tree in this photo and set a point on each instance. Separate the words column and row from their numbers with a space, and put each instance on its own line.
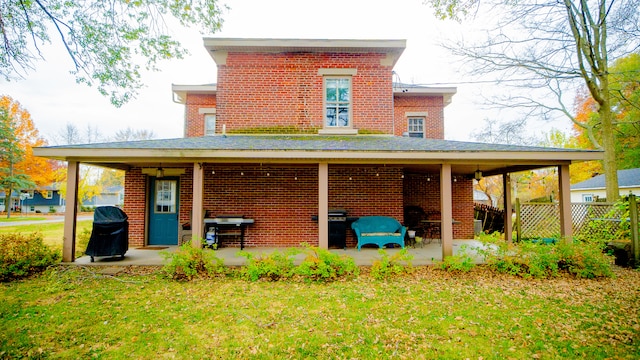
column 19, row 169
column 550, row 49
column 109, row 42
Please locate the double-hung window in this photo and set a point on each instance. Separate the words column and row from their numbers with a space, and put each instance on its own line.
column 209, row 124
column 337, row 97
column 416, row 127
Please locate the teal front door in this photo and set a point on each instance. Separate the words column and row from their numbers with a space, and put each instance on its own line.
column 163, row 214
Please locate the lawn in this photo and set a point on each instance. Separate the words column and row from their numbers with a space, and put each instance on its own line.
column 52, row 233
column 74, row 312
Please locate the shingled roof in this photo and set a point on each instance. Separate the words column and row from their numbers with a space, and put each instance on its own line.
column 314, row 143
column 626, row 178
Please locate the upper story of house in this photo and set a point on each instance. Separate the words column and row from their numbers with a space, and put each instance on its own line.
column 293, row 86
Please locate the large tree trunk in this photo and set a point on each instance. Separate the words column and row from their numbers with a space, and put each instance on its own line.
column 609, row 147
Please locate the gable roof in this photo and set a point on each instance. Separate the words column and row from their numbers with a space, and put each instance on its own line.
column 626, row 178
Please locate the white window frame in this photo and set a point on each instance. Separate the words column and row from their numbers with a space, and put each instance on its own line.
column 337, row 74
column 208, row 114
column 47, row 194
column 411, row 128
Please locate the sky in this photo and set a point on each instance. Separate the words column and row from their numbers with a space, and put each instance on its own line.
column 53, row 98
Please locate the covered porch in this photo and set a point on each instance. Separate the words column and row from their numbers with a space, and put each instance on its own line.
column 303, row 176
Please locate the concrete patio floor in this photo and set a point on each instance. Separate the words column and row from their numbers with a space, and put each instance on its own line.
column 426, row 255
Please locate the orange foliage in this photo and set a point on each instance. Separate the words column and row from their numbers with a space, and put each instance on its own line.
column 39, row 169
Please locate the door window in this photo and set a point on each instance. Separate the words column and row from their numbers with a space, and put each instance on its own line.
column 165, row 196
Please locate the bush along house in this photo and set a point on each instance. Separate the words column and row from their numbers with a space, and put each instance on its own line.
column 295, row 135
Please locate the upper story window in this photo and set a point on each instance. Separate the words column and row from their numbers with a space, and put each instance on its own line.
column 587, row 197
column 209, row 124
column 209, row 120
column 47, row 194
column 337, row 101
column 416, row 127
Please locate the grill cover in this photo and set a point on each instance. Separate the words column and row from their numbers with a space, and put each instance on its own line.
column 110, row 233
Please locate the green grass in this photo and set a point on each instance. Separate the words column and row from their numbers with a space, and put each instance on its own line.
column 52, row 232
column 14, row 218
column 73, row 312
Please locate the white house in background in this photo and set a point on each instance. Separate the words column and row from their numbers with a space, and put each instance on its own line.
column 594, row 188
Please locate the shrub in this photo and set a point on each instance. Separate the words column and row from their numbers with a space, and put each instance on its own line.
column 323, row 265
column 388, row 266
column 271, row 267
column 190, row 262
column 82, row 240
column 543, row 260
column 24, row 254
column 461, row 261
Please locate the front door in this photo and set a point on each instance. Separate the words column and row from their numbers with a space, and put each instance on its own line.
column 163, row 214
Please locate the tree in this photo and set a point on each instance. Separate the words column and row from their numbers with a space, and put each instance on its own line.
column 19, row 169
column 107, row 41
column 130, row 134
column 553, row 47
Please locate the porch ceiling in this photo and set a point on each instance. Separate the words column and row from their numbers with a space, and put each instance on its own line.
column 414, row 155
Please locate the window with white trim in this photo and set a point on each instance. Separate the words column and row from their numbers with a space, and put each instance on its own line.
column 337, row 102
column 47, row 194
column 209, row 124
column 587, row 197
column 415, row 127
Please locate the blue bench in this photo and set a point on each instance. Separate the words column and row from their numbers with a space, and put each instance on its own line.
column 379, row 230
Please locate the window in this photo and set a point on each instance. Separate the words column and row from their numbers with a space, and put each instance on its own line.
column 337, row 100
column 165, row 196
column 587, row 197
column 47, row 194
column 416, row 127
column 29, row 194
column 209, row 124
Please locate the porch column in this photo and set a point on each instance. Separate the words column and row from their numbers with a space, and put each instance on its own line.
column 70, row 212
column 566, row 222
column 323, row 205
column 446, row 210
column 508, row 210
column 197, row 217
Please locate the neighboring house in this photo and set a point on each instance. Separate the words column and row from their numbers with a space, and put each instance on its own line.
column 480, row 197
column 43, row 199
column 594, row 188
column 109, row 196
column 293, row 128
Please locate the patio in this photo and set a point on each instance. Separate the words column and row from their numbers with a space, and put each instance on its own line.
column 426, row 255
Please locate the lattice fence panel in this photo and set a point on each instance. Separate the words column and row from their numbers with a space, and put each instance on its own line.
column 539, row 220
column 543, row 220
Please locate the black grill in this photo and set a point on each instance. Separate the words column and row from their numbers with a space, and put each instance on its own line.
column 338, row 228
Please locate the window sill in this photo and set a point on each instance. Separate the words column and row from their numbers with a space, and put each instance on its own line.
column 338, row 131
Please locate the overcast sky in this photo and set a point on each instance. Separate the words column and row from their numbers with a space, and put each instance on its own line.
column 54, row 99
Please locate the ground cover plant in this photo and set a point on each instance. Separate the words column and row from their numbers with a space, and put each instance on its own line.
column 74, row 312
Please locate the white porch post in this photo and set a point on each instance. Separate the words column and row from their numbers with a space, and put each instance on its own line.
column 566, row 222
column 508, row 209
column 446, row 210
column 197, row 216
column 70, row 212
column 323, row 205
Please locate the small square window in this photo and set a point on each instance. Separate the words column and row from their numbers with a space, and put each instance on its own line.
column 415, row 127
column 587, row 197
column 47, row 194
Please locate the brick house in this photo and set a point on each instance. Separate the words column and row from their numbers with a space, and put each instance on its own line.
column 293, row 128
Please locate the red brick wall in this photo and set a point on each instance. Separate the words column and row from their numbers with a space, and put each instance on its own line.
column 434, row 121
column 424, row 190
column 283, row 202
column 285, row 90
column 135, row 190
column 194, row 120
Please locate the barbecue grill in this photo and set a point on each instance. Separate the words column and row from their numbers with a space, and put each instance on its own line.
column 338, row 228
column 224, row 225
